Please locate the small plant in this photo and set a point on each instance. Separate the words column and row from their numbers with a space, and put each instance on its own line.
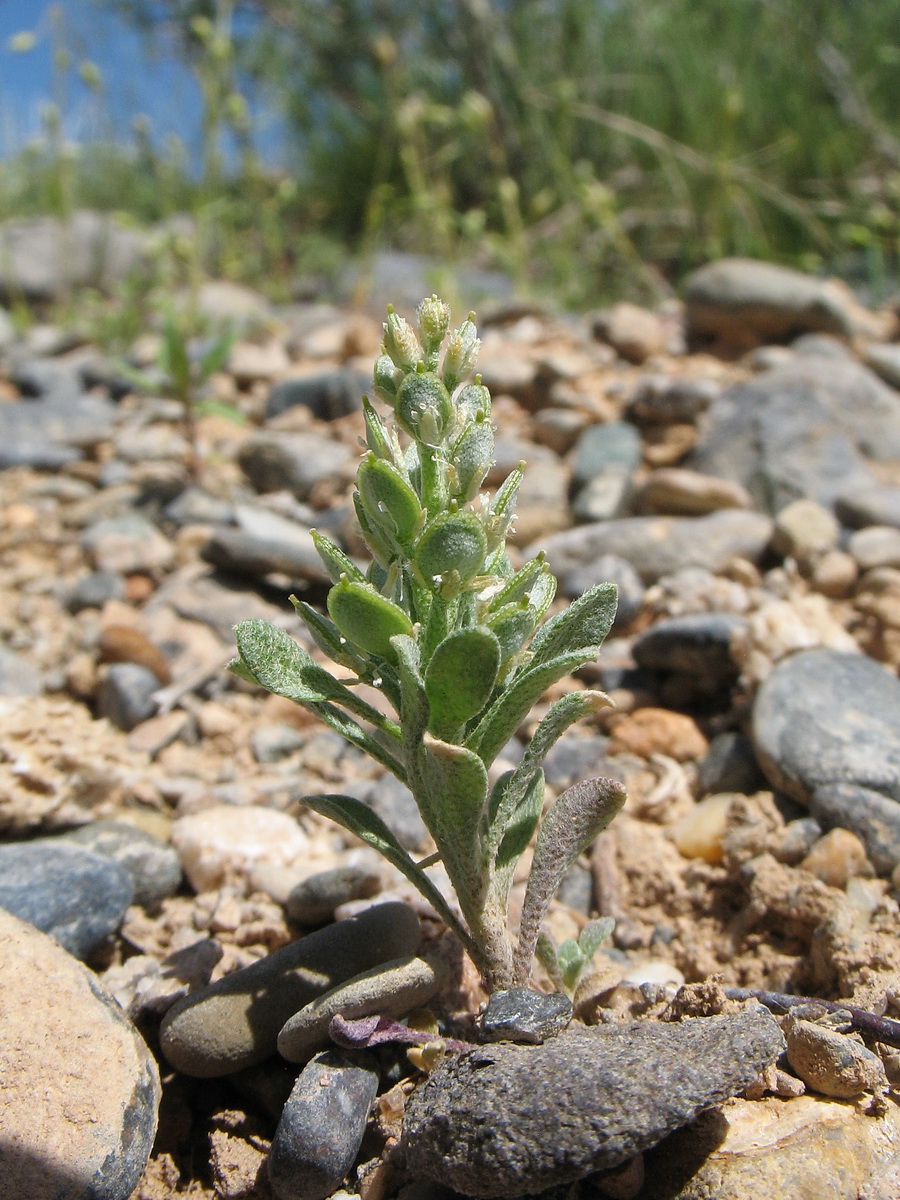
column 456, row 641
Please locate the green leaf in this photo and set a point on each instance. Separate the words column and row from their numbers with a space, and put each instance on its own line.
column 356, row 816
column 329, row 638
column 216, row 356
column 594, row 935
column 515, row 702
column 368, row 742
column 460, row 678
column 453, row 541
column 577, row 817
column 285, row 668
column 366, row 618
column 519, row 586
column 514, row 835
column 586, row 622
column 547, row 955
column 456, row 785
column 335, row 561
column 238, row 667
column 414, row 710
column 513, row 625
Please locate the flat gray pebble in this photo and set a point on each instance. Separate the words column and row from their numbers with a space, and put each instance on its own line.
column 509, row 1120
column 322, row 1125
column 315, row 898
column 125, row 696
column 697, row 644
column 825, row 716
column 521, row 1014
column 95, row 590
column 872, row 816
column 608, row 568
column 154, row 867
column 18, row 677
column 76, row 896
column 730, row 766
column 327, row 394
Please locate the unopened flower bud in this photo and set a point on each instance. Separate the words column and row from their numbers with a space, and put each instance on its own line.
column 434, row 321
column 472, row 400
column 462, row 351
column 400, row 343
column 387, row 378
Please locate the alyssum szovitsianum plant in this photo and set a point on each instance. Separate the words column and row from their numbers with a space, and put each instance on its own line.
column 457, row 642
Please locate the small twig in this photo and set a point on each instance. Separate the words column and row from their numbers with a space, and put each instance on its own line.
column 882, row 1029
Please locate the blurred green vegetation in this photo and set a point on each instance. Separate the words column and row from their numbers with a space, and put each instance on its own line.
column 588, row 147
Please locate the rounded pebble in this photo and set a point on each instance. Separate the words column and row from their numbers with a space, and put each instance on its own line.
column 391, row 989
column 831, row 1063
column 521, row 1014
column 78, row 897
column 153, row 866
column 126, row 695
column 80, row 1088
column 874, row 818
column 314, row 899
column 658, row 731
column 322, row 1125
column 235, row 1022
column 701, row 832
column 836, row 858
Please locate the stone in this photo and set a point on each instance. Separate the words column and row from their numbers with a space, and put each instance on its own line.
column 295, row 462
column 700, row 833
column 679, row 492
column 95, row 590
column 234, row 1023
column 7, row 330
column 805, row 530
column 507, row 1120
column 194, row 506
column 657, row 546
column 153, row 866
column 520, row 1014
column 875, row 546
column 744, row 302
column 872, row 816
column 604, row 497
column 662, row 399
column 825, row 716
column 126, row 643
column 126, row 695
column 18, row 677
column 81, row 1090
column 650, row 731
column 247, row 554
column 77, row 897
column 392, row 989
column 572, row 759
column 273, row 743
column 836, row 858
column 322, row 1125
column 876, row 504
column 730, row 766
column 313, row 900
column 803, row 430
column 635, row 333
column 128, row 544
column 542, row 504
column 830, row 1062
column 612, row 447
column 608, row 568
column 327, row 394
column 822, row 345
column 396, row 805
column 257, row 362
column 225, row 302
column 49, row 433
column 222, row 844
column 697, row 644
column 558, row 428
column 884, row 360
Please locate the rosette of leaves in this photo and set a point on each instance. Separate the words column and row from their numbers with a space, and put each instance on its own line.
column 459, row 644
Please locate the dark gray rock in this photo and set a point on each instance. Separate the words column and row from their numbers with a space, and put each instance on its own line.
column 872, row 816
column 659, row 398
column 194, row 506
column 125, row 695
column 154, row 867
column 48, row 378
column 242, row 553
column 315, row 898
column 328, row 394
column 573, row 758
column 824, row 716
column 295, row 462
column 608, row 568
column 615, row 446
column 77, row 897
column 577, row 889
column 47, row 434
column 730, row 766
column 18, row 677
column 696, row 644
column 511, row 1120
column 658, row 546
column 322, row 1125
column 234, row 1023
column 877, row 504
column 395, row 804
column 95, row 590
column 520, row 1014
column 803, row 430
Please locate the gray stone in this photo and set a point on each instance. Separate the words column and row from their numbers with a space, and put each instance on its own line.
column 48, row 378
column 661, row 399
column 875, row 546
column 247, row 554
column 95, row 590
column 272, row 743
column 18, row 677
column 608, row 568
column 884, row 360
column 831, row 1063
column 605, row 497
column 327, row 394
column 235, row 1022
column 747, row 300
column 322, row 1125
column 520, row 1014
column 395, row 804
column 407, row 277
column 657, row 546
column 573, row 758
column 293, row 461
column 825, row 716
column 696, row 644
column 613, row 447
column 126, row 695
column 314, row 899
column 509, row 1120
column 128, row 544
column 877, row 504
column 232, row 304
column 77, row 897
column 392, row 989
column 47, row 434
column 802, row 430
column 822, row 345
column 194, row 506
column 7, row 330
column 872, row 816
column 80, row 1088
column 730, row 766
column 153, row 866
column 577, row 889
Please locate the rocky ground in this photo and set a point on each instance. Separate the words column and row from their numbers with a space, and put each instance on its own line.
column 733, row 464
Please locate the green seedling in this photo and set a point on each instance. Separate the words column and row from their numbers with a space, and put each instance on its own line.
column 568, row 963
column 459, row 644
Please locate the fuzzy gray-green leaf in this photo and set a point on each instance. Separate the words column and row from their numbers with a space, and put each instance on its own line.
column 456, row 783
column 586, row 622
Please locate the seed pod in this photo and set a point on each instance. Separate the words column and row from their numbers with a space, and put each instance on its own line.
column 472, row 401
column 454, row 541
column 367, row 619
column 460, row 678
column 423, row 407
column 391, row 504
column 387, row 378
column 471, row 457
column 462, row 350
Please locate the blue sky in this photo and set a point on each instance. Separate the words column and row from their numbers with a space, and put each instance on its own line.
column 135, row 81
